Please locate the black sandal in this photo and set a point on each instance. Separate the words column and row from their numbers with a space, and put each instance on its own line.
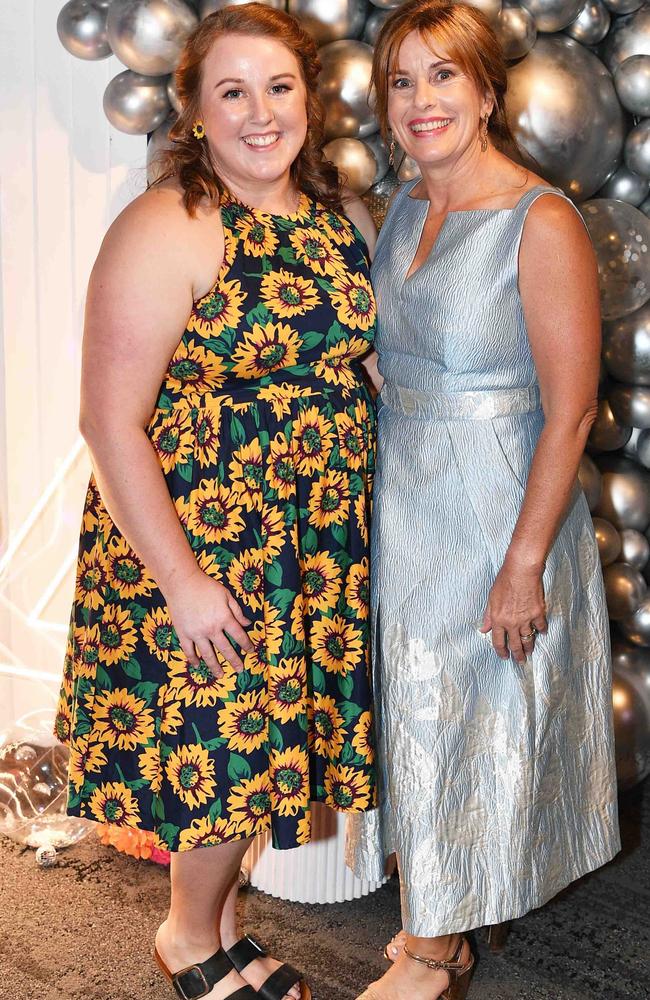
column 197, row 980
column 246, row 950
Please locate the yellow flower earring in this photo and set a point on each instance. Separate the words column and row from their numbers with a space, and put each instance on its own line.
column 198, row 129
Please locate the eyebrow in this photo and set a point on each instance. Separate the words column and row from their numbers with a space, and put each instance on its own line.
column 433, row 65
column 234, row 79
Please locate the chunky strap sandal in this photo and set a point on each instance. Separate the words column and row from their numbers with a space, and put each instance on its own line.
column 460, row 973
column 246, row 950
column 197, row 981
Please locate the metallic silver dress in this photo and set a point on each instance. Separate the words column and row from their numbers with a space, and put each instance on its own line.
column 497, row 780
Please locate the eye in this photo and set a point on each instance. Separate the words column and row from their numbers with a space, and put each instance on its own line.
column 280, row 88
column 401, row 82
column 445, row 74
column 233, row 93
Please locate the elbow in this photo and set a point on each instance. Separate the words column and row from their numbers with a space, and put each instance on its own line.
column 88, row 426
column 588, row 419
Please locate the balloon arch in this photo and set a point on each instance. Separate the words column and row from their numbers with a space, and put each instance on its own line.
column 579, row 103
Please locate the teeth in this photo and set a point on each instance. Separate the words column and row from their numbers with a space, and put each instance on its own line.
column 261, row 140
column 430, row 126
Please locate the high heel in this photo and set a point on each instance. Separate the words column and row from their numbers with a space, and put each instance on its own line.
column 460, row 974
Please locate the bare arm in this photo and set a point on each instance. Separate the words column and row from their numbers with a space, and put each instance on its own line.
column 358, row 213
column 558, row 279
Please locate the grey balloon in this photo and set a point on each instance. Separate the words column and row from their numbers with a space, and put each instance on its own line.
column 343, row 86
column 619, row 7
column 631, row 405
column 515, row 28
column 553, row 15
column 135, row 103
column 606, row 433
column 643, row 449
column 331, row 20
column 81, row 27
column 374, row 25
column 625, row 499
column 637, row 152
column 491, row 8
column 631, row 730
column 625, row 588
column 636, row 628
column 645, row 207
column 148, row 35
column 626, row 347
column 211, row 6
column 635, row 548
column 621, row 238
column 590, row 480
column 377, row 147
column 355, row 160
column 591, row 25
column 632, row 82
column 629, row 448
column 172, row 94
column 625, row 185
column 629, row 36
column 563, row 109
column 608, row 539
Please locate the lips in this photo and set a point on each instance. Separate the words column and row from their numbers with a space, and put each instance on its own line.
column 421, row 126
column 262, row 140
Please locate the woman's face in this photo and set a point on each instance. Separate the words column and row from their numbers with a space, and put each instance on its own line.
column 434, row 108
column 253, row 106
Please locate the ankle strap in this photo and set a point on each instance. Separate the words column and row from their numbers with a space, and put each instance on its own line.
column 452, row 964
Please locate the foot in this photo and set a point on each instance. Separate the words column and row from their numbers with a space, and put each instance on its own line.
column 406, row 978
column 395, row 946
column 258, row 971
column 178, row 954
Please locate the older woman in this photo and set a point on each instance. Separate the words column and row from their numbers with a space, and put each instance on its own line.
column 497, row 782
column 217, row 676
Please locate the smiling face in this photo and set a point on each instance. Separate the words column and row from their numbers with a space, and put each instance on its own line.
column 434, row 107
column 253, row 106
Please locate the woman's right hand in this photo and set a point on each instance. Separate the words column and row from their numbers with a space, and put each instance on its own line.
column 205, row 614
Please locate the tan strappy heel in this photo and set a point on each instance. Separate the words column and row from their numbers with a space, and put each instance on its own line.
column 459, row 973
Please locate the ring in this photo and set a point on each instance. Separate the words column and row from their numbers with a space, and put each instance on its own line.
column 529, row 635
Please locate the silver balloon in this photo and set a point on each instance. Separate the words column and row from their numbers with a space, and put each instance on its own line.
column 637, row 152
column 629, row 36
column 355, row 160
column 591, row 25
column 624, row 6
column 148, row 35
column 553, row 15
column 590, row 481
column 136, row 104
column 516, row 31
column 344, row 84
column 645, row 207
column 625, row 588
column 625, row 500
column 327, row 22
column 606, row 433
column 374, row 25
column 491, row 8
column 624, row 185
column 157, row 145
column 407, row 168
column 377, row 147
column 608, row 539
column 633, row 660
column 636, row 628
column 626, row 347
column 172, row 94
column 643, row 449
column 621, row 238
column 210, row 6
column 81, row 27
column 631, row 405
column 635, row 548
column 631, row 728
column 563, row 109
column 632, row 82
column 630, row 448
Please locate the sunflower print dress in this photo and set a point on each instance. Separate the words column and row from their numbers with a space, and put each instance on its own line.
column 265, row 433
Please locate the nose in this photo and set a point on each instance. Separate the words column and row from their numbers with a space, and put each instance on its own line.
column 424, row 96
column 261, row 113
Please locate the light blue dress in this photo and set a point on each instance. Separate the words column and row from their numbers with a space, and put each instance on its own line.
column 498, row 784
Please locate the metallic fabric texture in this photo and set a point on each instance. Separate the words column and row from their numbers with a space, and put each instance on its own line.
column 498, row 784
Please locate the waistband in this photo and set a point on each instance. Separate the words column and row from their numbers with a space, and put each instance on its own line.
column 481, row 405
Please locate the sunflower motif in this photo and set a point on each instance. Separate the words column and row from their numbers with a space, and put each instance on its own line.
column 62, row 721
column 84, row 760
column 281, row 469
column 336, row 228
column 150, row 766
column 362, row 514
column 206, row 435
column 361, row 741
column 169, row 711
column 184, row 512
column 336, row 644
column 312, row 441
column 351, row 443
column 193, row 371
column 321, row 582
column 117, row 635
column 247, row 475
column 329, row 499
column 257, row 238
column 91, row 579
column 280, row 396
column 160, row 635
column 290, row 780
column 197, row 685
column 347, row 789
column 121, row 719
column 272, row 532
column 266, row 349
column 220, row 309
column 71, row 653
column 357, row 589
column 328, row 726
column 246, row 577
column 116, row 804
column 249, row 805
column 288, row 295
column 216, row 513
column 173, row 440
column 303, row 830
column 91, row 507
column 204, row 832
column 354, row 301
column 190, row 772
column 298, row 613
column 334, row 365
column 125, row 572
column 88, row 642
column 313, row 248
column 287, row 689
column 266, row 636
column 244, row 722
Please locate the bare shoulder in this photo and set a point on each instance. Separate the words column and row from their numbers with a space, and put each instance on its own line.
column 553, row 222
column 358, row 213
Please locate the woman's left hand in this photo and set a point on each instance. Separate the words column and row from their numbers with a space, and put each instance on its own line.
column 516, row 610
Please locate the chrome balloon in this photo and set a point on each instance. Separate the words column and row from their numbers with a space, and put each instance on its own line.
column 355, row 160
column 624, row 185
column 608, row 539
column 491, row 8
column 626, row 347
column 621, row 238
column 343, row 86
column 629, row 36
column 172, row 94
column 632, row 82
column 631, row 405
column 374, row 25
column 553, row 15
column 564, row 112
column 624, row 6
column 590, row 481
column 148, row 35
column 158, row 143
column 136, row 104
column 515, row 29
column 210, row 6
column 591, row 25
column 637, row 152
column 327, row 22
column 625, row 588
column 630, row 447
column 606, row 433
column 631, row 729
column 643, row 449
column 81, row 27
column 636, row 628
column 407, row 168
column 635, row 548
column 625, row 499
column 377, row 147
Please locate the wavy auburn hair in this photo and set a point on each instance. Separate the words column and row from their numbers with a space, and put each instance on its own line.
column 465, row 35
column 189, row 159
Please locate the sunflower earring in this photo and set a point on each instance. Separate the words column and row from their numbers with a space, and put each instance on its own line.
column 198, row 129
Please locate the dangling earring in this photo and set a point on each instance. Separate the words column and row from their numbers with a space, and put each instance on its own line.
column 391, row 151
column 483, row 132
column 198, row 129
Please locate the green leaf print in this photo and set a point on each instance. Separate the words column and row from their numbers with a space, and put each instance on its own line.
column 237, row 432
column 326, row 285
column 290, row 645
column 185, row 471
column 334, row 334
column 318, row 679
column 131, row 668
column 281, row 599
column 340, row 532
column 146, row 690
column 82, row 728
column 243, row 679
column 164, row 402
column 273, row 573
column 223, row 557
column 347, row 753
column 275, row 737
column 356, row 484
column 85, row 614
column 169, row 832
column 287, row 255
column 312, row 338
column 74, row 801
column 346, row 685
column 214, row 744
column 350, row 711
column 157, row 808
column 259, row 314
column 309, row 542
column 215, row 810
column 103, row 679
column 216, row 344
column 138, row 612
column 238, row 768
column 112, row 596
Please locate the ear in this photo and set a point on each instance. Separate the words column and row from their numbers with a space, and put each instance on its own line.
column 489, row 103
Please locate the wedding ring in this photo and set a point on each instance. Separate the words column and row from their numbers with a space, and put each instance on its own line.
column 529, row 635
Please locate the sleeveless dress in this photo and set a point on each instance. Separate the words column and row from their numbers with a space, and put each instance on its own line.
column 496, row 780
column 265, row 433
